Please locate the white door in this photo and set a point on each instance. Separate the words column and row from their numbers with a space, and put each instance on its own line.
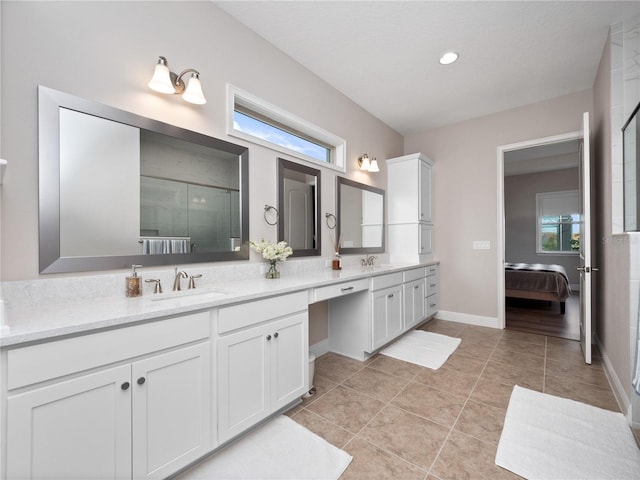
column 171, row 411
column 289, row 368
column 78, row 429
column 243, row 389
column 585, row 268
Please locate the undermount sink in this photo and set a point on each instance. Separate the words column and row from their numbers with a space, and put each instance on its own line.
column 201, row 291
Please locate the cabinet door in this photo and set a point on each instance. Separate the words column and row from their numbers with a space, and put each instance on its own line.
column 78, row 429
column 386, row 311
column 425, row 193
column 171, row 410
column 243, row 391
column 289, row 360
column 414, row 304
column 426, row 239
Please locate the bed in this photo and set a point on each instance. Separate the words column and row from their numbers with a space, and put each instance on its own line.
column 537, row 281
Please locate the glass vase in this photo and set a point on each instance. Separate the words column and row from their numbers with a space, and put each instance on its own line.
column 273, row 271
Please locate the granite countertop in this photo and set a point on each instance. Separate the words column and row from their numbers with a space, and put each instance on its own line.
column 31, row 324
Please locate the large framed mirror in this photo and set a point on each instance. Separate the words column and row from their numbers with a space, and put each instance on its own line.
column 299, row 207
column 360, row 217
column 631, row 175
column 118, row 189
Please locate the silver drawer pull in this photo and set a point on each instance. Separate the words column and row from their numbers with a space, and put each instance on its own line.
column 346, row 289
column 432, row 285
column 432, row 269
column 416, row 286
column 390, row 295
column 432, row 304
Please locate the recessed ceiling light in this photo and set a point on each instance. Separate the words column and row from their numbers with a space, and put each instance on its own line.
column 448, row 58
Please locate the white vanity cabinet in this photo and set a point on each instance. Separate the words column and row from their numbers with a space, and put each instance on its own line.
column 386, row 309
column 432, row 281
column 127, row 403
column 410, row 206
column 414, row 297
column 263, row 350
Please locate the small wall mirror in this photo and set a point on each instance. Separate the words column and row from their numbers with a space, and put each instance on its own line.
column 299, row 207
column 360, row 217
column 631, row 149
column 118, row 189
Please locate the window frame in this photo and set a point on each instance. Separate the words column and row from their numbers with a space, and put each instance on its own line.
column 539, row 198
column 287, row 122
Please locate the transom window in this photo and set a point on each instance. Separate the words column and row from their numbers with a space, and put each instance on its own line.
column 259, row 122
column 558, row 222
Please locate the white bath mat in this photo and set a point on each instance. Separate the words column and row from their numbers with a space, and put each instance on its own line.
column 548, row 437
column 428, row 349
column 279, row 450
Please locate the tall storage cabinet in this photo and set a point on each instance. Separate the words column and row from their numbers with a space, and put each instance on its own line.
column 409, row 192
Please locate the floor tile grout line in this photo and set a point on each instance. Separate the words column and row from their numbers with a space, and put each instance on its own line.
column 453, row 426
column 387, row 404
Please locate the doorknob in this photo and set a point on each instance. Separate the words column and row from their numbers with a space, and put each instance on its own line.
column 587, row 269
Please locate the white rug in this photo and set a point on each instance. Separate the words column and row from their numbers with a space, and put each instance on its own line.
column 279, row 450
column 428, row 349
column 547, row 437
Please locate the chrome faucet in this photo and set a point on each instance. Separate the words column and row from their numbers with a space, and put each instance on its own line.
column 176, row 280
column 368, row 261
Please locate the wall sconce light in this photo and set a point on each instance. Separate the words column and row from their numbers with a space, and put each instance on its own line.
column 165, row 81
column 369, row 165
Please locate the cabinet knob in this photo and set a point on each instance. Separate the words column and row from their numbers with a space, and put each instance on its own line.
column 141, row 380
column 125, row 386
column 276, row 335
column 268, row 337
column 390, row 295
column 416, row 287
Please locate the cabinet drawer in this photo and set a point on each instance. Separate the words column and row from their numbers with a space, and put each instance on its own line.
column 432, row 304
column 339, row 290
column 252, row 313
column 415, row 274
column 37, row 363
column 386, row 281
column 432, row 270
column 432, row 285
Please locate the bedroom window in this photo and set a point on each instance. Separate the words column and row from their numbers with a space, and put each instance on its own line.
column 558, row 222
column 257, row 121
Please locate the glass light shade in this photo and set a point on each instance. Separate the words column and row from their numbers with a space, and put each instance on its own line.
column 374, row 166
column 448, row 58
column 364, row 162
column 161, row 80
column 193, row 92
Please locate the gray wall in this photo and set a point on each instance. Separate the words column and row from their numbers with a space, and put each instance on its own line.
column 106, row 51
column 520, row 217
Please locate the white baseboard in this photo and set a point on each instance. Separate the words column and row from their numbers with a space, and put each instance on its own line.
column 320, row 348
column 468, row 319
column 616, row 385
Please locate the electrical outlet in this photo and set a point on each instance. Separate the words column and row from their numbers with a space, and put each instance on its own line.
column 481, row 244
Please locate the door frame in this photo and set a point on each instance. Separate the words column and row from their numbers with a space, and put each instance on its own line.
column 500, row 247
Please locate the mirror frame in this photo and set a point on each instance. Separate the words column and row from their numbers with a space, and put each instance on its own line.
column 351, row 183
column 631, row 183
column 49, row 103
column 288, row 165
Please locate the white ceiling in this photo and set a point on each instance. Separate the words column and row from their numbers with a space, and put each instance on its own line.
column 384, row 54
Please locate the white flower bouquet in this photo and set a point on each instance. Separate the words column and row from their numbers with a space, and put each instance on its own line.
column 272, row 251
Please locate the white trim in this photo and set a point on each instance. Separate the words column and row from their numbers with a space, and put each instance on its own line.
column 500, row 247
column 258, row 105
column 617, row 387
column 467, row 318
column 320, row 348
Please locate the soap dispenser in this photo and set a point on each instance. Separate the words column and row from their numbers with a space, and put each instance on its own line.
column 134, row 283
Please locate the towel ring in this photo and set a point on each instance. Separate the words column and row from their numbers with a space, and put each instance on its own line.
column 266, row 209
column 328, row 219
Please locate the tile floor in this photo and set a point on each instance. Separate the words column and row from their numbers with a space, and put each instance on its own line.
column 402, row 421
